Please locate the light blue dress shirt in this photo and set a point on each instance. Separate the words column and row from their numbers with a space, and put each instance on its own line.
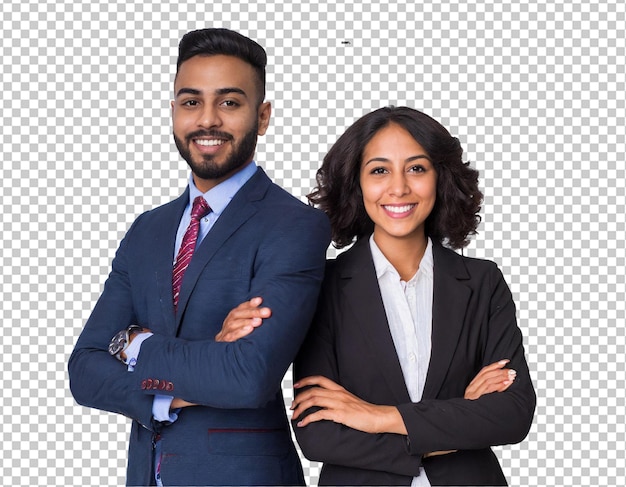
column 218, row 199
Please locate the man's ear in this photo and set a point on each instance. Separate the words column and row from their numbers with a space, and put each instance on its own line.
column 264, row 114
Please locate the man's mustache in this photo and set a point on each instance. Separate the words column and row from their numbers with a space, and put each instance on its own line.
column 209, row 133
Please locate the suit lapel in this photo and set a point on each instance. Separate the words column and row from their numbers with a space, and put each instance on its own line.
column 241, row 208
column 164, row 245
column 450, row 299
column 361, row 292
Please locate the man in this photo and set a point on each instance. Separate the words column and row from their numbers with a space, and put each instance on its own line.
column 207, row 408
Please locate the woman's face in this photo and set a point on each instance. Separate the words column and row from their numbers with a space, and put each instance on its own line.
column 399, row 184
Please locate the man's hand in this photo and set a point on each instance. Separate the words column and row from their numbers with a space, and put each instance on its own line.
column 242, row 320
column 178, row 403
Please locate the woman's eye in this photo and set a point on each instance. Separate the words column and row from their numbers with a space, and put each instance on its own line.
column 379, row 170
column 417, row 168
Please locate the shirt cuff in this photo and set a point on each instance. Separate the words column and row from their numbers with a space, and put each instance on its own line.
column 161, row 409
column 132, row 352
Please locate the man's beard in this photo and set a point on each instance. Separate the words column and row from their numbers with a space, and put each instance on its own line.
column 207, row 168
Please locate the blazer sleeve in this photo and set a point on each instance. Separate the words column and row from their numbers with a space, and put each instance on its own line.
column 97, row 379
column 334, row 443
column 247, row 373
column 493, row 419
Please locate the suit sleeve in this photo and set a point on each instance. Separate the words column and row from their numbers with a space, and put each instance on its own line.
column 288, row 271
column 97, row 379
column 334, row 443
column 493, row 419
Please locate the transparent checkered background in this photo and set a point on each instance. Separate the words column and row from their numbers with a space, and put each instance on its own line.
column 535, row 90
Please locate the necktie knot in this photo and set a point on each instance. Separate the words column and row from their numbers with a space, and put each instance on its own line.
column 200, row 208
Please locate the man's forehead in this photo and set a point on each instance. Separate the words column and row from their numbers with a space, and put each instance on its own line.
column 212, row 73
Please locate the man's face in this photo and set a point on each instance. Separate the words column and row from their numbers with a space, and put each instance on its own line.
column 217, row 117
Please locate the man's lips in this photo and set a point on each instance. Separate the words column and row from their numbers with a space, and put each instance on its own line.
column 209, row 142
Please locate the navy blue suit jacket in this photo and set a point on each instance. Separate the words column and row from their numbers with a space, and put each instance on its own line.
column 266, row 243
column 349, row 342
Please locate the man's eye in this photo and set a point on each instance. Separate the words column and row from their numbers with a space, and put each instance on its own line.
column 190, row 103
column 230, row 103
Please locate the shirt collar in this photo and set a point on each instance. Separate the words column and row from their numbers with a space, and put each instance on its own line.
column 383, row 266
column 219, row 196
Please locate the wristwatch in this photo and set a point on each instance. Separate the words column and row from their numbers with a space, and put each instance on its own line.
column 122, row 339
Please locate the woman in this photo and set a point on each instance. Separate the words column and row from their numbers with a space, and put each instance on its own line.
column 384, row 385
column 392, row 382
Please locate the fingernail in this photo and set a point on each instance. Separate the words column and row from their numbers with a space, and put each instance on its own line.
column 512, row 373
column 297, row 384
column 503, row 362
column 299, row 423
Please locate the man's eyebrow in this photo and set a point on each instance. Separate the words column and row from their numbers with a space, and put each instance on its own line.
column 218, row 92
column 188, row 91
column 226, row 91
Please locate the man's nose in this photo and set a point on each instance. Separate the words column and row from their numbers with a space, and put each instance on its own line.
column 209, row 117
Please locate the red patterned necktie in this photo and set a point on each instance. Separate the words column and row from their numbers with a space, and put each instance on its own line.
column 187, row 247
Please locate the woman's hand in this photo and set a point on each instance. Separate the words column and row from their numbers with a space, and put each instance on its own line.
column 491, row 378
column 242, row 320
column 340, row 406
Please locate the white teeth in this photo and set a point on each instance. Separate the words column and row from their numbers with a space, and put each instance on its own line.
column 209, row 142
column 398, row 209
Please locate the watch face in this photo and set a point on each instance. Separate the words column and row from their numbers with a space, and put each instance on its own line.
column 117, row 343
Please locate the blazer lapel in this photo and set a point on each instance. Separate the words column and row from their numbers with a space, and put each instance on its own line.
column 450, row 299
column 164, row 259
column 361, row 291
column 241, row 208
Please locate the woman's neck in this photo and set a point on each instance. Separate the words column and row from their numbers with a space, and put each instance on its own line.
column 404, row 254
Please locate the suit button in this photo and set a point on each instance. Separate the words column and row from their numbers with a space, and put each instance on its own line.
column 155, row 383
column 169, row 386
column 143, row 385
column 149, row 384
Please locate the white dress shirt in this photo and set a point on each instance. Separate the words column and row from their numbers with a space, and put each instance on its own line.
column 409, row 309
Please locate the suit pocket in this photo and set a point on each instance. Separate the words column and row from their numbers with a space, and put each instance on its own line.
column 249, row 441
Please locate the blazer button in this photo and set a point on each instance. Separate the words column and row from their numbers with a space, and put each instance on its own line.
column 169, row 386
column 143, row 385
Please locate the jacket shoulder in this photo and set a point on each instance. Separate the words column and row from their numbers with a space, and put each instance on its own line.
column 460, row 265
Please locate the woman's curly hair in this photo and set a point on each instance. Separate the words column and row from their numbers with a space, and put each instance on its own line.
column 454, row 217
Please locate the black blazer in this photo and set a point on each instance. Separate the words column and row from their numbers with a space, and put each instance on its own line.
column 474, row 325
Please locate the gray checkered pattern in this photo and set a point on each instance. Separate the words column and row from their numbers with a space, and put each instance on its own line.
column 535, row 90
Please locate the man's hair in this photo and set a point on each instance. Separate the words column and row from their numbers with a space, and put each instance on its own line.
column 213, row 42
column 338, row 193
